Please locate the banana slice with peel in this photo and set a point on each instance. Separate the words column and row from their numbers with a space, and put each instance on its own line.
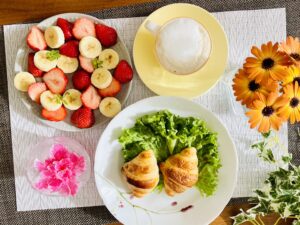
column 109, row 58
column 101, row 78
column 71, row 99
column 54, row 36
column 42, row 62
column 67, row 64
column 23, row 80
column 110, row 106
column 90, row 47
column 50, row 101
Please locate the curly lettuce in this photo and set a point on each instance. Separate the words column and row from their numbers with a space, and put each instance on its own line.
column 167, row 134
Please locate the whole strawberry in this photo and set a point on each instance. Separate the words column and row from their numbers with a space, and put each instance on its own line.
column 123, row 72
column 83, row 118
column 66, row 27
column 70, row 49
column 81, row 80
column 106, row 35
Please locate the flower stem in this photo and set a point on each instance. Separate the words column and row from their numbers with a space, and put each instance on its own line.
column 277, row 221
column 260, row 220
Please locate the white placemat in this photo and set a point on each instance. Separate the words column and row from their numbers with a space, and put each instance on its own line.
column 243, row 28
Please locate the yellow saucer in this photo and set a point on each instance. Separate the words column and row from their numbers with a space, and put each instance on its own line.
column 162, row 82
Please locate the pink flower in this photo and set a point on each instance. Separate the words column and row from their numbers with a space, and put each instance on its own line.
column 60, row 171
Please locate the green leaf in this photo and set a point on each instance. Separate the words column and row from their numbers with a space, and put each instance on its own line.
column 287, row 158
column 296, row 222
column 243, row 217
column 52, row 55
column 266, row 135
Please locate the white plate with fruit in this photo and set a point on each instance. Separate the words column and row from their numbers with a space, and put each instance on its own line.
column 73, row 72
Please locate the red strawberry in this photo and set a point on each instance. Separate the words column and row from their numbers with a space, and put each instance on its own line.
column 56, row 116
column 36, row 40
column 56, row 80
column 32, row 68
column 81, row 80
column 90, row 98
column 112, row 90
column 86, row 64
column 123, row 72
column 83, row 27
column 83, row 118
column 106, row 35
column 70, row 48
column 35, row 90
column 66, row 27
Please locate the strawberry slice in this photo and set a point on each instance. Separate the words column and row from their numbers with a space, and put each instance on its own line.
column 36, row 40
column 32, row 68
column 86, row 64
column 83, row 118
column 107, row 35
column 56, row 116
column 83, row 27
column 35, row 90
column 123, row 72
column 56, row 80
column 81, row 80
column 90, row 98
column 66, row 27
column 112, row 90
column 70, row 48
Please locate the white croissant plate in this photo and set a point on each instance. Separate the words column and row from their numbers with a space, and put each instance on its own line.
column 158, row 208
column 21, row 65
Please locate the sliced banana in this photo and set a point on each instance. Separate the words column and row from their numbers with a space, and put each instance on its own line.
column 54, row 36
column 109, row 58
column 40, row 61
column 23, row 80
column 71, row 99
column 50, row 101
column 67, row 64
column 101, row 78
column 110, row 106
column 90, row 47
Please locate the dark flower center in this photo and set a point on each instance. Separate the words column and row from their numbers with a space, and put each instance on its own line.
column 253, row 86
column 295, row 56
column 268, row 111
column 296, row 79
column 267, row 63
column 294, row 102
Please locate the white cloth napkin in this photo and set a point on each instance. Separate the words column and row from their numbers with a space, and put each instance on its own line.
column 243, row 28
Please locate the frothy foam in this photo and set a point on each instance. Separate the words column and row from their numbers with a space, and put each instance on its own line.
column 183, row 46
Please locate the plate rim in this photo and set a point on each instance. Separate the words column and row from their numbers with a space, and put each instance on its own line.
column 234, row 151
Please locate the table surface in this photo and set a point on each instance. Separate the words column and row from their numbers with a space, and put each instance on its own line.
column 13, row 11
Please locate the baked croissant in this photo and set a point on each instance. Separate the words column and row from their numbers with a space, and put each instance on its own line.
column 180, row 171
column 142, row 173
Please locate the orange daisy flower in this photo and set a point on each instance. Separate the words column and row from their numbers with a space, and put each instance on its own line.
column 267, row 63
column 246, row 90
column 292, row 47
column 292, row 76
column 292, row 109
column 264, row 112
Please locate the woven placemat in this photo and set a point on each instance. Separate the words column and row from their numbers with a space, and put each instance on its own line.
column 100, row 215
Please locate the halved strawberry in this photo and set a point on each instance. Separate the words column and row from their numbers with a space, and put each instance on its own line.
column 36, row 40
column 70, row 48
column 86, row 64
column 83, row 118
column 112, row 90
column 107, row 35
column 81, row 80
column 35, row 90
column 66, row 27
column 56, row 80
column 56, row 116
column 123, row 72
column 90, row 98
column 83, row 27
column 32, row 68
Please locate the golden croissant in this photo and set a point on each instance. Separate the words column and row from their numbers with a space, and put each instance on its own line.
column 180, row 171
column 142, row 173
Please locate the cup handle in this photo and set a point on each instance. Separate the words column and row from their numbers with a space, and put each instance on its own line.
column 152, row 27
